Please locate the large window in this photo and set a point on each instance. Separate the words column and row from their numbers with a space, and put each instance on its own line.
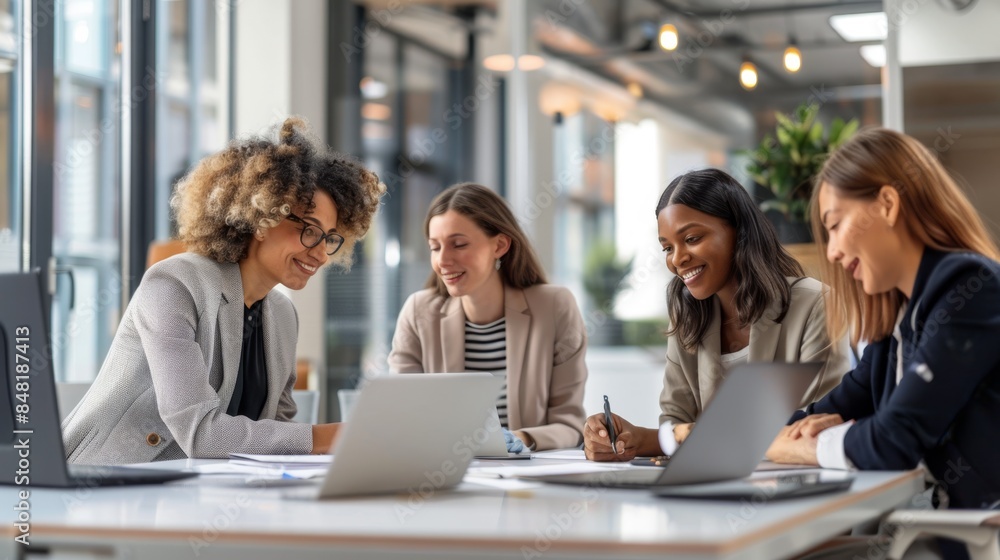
column 192, row 108
column 408, row 91
column 86, row 206
column 190, row 86
column 10, row 207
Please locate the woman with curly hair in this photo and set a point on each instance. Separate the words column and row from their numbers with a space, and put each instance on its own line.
column 203, row 363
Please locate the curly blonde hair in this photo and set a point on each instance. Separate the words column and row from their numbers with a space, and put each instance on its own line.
column 252, row 185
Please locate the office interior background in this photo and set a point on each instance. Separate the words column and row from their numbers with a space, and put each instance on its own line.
column 571, row 109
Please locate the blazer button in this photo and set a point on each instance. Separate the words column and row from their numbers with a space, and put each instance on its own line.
column 153, row 439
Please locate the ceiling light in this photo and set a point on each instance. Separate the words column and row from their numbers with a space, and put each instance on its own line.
column 505, row 62
column 874, row 55
column 852, row 28
column 748, row 75
column 668, row 37
column 793, row 57
column 376, row 111
column 372, row 88
column 635, row 89
column 499, row 63
column 558, row 98
column 529, row 62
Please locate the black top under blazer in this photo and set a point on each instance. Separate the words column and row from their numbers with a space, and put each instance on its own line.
column 946, row 408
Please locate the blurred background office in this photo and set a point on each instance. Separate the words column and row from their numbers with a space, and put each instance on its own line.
column 577, row 111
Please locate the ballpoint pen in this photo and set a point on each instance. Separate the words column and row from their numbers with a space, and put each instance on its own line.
column 609, row 423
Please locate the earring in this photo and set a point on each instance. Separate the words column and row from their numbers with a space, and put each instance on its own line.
column 497, row 265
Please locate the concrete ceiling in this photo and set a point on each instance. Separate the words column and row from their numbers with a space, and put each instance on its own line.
column 700, row 78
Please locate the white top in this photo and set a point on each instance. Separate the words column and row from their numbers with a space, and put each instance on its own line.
column 733, row 359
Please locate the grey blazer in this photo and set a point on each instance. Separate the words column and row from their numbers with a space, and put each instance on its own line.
column 166, row 383
column 691, row 378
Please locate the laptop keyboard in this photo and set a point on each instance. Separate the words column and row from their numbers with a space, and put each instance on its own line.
column 107, row 475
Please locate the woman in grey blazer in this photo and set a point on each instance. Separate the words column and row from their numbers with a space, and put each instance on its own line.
column 737, row 297
column 203, row 363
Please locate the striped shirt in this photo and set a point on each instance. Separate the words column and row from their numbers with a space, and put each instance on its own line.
column 486, row 350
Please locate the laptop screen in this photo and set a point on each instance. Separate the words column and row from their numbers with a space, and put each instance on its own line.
column 29, row 420
column 6, row 394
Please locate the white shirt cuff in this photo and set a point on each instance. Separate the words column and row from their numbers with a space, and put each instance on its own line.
column 830, row 447
column 668, row 443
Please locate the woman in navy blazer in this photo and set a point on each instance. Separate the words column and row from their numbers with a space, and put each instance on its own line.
column 914, row 271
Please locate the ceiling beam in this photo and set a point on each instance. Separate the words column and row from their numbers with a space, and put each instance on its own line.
column 847, row 6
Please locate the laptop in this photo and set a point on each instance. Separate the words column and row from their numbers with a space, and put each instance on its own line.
column 729, row 439
column 31, row 444
column 767, row 487
column 492, row 445
column 411, row 433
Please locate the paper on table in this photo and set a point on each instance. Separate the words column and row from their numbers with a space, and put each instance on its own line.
column 259, row 471
column 502, row 483
column 565, row 454
column 766, row 465
column 284, row 460
column 537, row 470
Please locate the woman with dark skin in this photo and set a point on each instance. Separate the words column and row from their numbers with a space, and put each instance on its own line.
column 737, row 296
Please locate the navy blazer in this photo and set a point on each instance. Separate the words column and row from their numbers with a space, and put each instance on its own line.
column 946, row 408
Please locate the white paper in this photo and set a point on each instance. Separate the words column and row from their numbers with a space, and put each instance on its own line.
column 563, row 454
column 260, row 471
column 314, row 460
column 538, row 470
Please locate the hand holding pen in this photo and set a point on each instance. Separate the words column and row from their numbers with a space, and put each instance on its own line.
column 608, row 437
column 609, row 423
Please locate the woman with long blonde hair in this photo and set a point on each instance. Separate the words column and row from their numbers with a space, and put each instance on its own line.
column 913, row 271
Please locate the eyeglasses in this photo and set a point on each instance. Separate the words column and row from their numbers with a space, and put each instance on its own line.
column 312, row 235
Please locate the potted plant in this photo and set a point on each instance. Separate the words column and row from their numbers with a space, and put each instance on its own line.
column 786, row 163
column 603, row 274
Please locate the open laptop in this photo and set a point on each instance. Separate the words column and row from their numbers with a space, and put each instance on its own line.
column 730, row 437
column 415, row 433
column 491, row 444
column 31, row 444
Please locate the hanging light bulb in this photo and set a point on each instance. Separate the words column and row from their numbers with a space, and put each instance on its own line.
column 748, row 75
column 793, row 57
column 668, row 37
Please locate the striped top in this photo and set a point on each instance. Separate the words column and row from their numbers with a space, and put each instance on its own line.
column 486, row 350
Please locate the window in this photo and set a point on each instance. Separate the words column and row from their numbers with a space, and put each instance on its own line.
column 85, row 220
column 192, row 108
column 10, row 202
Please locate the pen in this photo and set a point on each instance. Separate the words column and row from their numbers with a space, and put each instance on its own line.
column 609, row 423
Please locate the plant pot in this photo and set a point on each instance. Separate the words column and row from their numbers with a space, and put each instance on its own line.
column 789, row 231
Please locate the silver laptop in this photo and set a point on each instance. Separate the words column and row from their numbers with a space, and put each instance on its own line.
column 491, row 444
column 730, row 437
column 31, row 445
column 415, row 433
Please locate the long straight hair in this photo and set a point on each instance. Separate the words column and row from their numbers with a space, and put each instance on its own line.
column 932, row 206
column 520, row 267
column 760, row 263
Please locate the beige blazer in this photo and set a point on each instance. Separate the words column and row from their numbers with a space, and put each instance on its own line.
column 691, row 378
column 166, row 383
column 546, row 343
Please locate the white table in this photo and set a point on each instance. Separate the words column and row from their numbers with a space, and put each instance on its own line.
column 206, row 518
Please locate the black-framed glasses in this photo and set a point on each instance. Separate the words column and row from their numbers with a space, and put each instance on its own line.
column 312, row 235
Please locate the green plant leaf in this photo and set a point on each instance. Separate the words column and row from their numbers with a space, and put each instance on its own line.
column 849, row 129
